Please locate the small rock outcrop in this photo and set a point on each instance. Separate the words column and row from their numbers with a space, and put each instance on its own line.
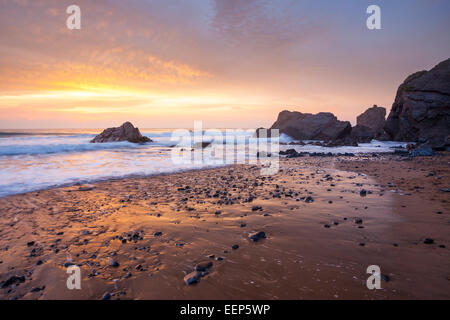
column 126, row 132
column 421, row 110
column 307, row 126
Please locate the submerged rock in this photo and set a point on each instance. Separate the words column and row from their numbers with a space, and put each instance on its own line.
column 422, row 151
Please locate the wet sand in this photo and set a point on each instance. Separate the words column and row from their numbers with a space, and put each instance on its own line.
column 138, row 238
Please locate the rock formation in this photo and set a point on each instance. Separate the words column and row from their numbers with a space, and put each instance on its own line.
column 421, row 110
column 369, row 125
column 126, row 132
column 306, row 126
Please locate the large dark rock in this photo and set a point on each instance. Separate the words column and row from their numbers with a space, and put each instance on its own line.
column 126, row 132
column 307, row 126
column 421, row 110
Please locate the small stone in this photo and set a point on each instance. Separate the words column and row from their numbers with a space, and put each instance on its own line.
column 106, row 296
column 363, row 193
column 309, row 199
column 139, row 267
column 192, row 278
column 428, row 241
column 31, row 243
column 219, row 258
column 234, row 247
column 85, row 188
column 385, row 277
column 326, row 225
column 257, row 236
column 114, row 263
column 37, row 289
column 203, row 266
column 157, row 234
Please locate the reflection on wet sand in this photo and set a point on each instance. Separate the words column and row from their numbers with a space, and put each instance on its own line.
column 139, row 238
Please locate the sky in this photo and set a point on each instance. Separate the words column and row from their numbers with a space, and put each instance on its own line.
column 228, row 63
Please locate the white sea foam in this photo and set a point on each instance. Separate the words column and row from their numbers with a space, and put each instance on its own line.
column 37, row 161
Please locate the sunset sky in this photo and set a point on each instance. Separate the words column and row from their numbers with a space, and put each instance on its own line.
column 230, row 63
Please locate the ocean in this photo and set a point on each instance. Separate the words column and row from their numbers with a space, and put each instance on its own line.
column 32, row 160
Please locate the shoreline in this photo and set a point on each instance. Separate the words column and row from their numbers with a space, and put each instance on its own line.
column 301, row 237
column 143, row 176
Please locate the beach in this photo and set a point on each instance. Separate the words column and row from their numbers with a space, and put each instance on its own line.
column 325, row 221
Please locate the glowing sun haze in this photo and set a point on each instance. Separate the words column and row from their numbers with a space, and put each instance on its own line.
column 230, row 63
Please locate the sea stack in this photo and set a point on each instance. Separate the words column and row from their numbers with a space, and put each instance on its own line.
column 126, row 132
column 307, row 126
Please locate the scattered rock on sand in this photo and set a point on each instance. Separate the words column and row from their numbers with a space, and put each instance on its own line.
column 428, row 241
column 13, row 280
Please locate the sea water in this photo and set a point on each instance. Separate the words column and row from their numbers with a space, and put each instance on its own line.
column 38, row 159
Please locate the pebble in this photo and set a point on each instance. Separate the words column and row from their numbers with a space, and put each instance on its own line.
column 37, row 289
column 257, row 236
column 192, row 277
column 106, row 296
column 235, row 246
column 114, row 263
column 428, row 241
column 203, row 266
